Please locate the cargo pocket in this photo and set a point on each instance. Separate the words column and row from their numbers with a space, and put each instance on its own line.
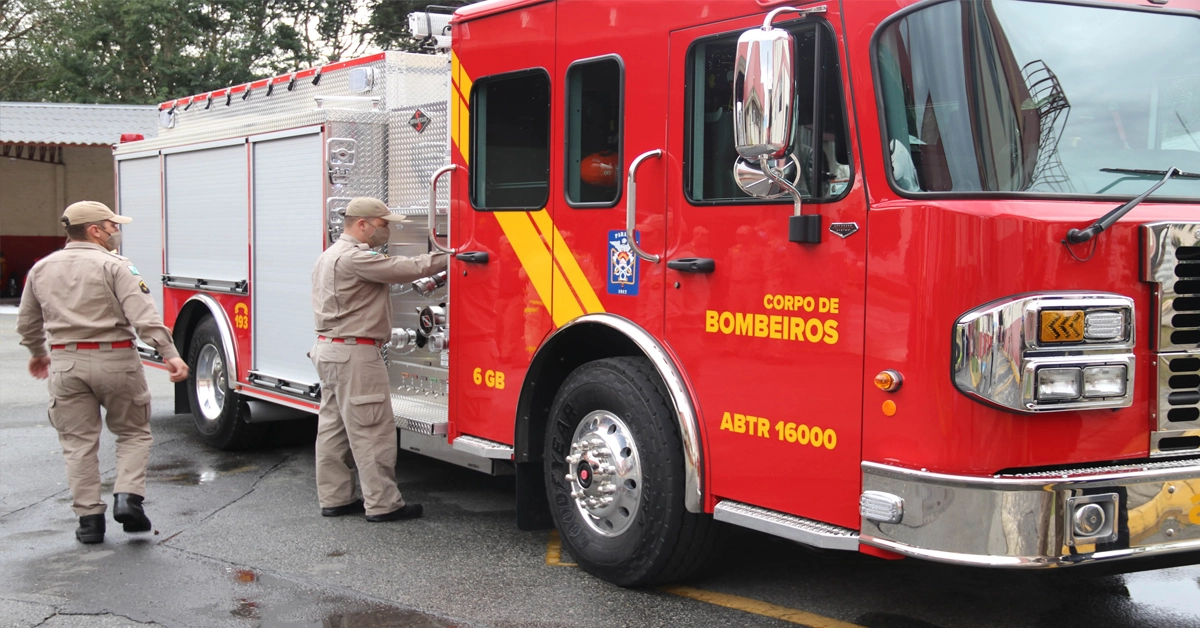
column 141, row 407
column 330, row 363
column 369, row 409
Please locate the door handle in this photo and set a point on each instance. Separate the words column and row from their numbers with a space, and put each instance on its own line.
column 473, row 257
column 631, row 206
column 433, row 209
column 692, row 265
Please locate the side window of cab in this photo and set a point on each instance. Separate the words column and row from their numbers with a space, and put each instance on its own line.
column 710, row 154
column 510, row 141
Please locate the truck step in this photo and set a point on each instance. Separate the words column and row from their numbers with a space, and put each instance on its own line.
column 791, row 527
column 419, row 416
column 484, row 448
column 436, row 447
column 423, row 426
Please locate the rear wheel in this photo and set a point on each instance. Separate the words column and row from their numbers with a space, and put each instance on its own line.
column 615, row 478
column 220, row 413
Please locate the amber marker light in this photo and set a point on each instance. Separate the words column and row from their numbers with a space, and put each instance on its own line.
column 889, row 408
column 1061, row 326
column 889, row 380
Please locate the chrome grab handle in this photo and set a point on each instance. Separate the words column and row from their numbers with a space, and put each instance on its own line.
column 631, row 206
column 433, row 209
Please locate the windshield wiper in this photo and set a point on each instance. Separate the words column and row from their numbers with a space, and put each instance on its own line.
column 1077, row 236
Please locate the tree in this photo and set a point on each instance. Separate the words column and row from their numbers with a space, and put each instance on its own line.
column 20, row 20
column 147, row 51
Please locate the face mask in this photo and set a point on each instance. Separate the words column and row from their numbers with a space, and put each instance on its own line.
column 114, row 241
column 379, row 237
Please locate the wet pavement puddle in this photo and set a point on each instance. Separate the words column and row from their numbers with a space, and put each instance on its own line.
column 186, row 473
column 272, row 601
column 1165, row 590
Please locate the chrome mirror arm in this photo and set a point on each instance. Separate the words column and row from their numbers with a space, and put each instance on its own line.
column 771, row 16
column 764, row 162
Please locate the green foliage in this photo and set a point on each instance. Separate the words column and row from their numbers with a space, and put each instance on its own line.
column 147, row 51
column 20, row 20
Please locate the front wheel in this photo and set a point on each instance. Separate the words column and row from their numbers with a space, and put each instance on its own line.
column 615, row 478
column 220, row 413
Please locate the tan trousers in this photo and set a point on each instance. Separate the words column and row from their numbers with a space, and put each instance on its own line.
column 80, row 383
column 355, row 428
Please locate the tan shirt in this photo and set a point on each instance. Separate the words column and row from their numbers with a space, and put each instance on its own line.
column 84, row 293
column 350, row 288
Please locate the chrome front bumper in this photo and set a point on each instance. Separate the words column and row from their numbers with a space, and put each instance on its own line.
column 1026, row 521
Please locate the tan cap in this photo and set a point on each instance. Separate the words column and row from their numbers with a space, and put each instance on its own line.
column 367, row 207
column 84, row 212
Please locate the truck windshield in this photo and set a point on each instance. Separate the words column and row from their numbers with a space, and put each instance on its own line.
column 1014, row 96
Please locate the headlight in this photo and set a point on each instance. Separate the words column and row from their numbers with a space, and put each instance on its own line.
column 1055, row 384
column 1047, row 352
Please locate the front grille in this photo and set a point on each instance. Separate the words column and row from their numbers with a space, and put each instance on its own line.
column 1171, row 260
column 1185, row 321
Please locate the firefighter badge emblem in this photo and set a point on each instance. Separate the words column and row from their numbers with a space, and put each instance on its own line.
column 622, row 265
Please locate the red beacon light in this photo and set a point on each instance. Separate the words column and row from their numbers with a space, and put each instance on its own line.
column 132, row 137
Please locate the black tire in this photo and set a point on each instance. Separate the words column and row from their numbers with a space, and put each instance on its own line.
column 227, row 429
column 662, row 541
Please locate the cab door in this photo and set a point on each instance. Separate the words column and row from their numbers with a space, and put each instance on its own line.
column 500, row 287
column 769, row 331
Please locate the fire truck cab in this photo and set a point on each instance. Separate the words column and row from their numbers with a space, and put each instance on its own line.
column 904, row 278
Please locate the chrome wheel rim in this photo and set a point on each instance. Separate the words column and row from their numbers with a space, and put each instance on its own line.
column 605, row 474
column 210, row 384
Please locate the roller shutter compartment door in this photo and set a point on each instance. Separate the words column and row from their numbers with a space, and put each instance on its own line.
column 140, row 198
column 289, row 235
column 207, row 200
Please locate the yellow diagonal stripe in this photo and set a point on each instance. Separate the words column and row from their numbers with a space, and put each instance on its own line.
column 535, row 258
column 570, row 266
column 460, row 76
column 562, row 286
column 756, row 607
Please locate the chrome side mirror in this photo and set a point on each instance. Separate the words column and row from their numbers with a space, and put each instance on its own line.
column 763, row 88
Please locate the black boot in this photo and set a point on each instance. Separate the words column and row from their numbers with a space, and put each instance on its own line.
column 407, row 511
column 91, row 529
column 127, row 510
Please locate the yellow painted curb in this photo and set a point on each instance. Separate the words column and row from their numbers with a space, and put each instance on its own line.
column 554, row 551
column 756, row 607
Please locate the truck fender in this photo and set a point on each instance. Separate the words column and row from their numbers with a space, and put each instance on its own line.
column 193, row 311
column 593, row 337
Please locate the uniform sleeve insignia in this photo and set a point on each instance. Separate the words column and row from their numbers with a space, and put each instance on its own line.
column 133, row 269
column 142, row 285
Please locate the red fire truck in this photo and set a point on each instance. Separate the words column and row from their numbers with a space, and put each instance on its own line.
column 905, row 278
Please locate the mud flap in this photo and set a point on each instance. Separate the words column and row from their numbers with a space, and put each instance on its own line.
column 533, row 511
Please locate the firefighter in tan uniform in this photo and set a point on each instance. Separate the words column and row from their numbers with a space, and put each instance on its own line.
column 353, row 316
column 87, row 302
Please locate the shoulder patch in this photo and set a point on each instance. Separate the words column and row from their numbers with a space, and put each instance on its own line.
column 142, row 285
column 133, row 269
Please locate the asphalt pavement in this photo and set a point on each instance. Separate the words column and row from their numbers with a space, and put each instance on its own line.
column 238, row 541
